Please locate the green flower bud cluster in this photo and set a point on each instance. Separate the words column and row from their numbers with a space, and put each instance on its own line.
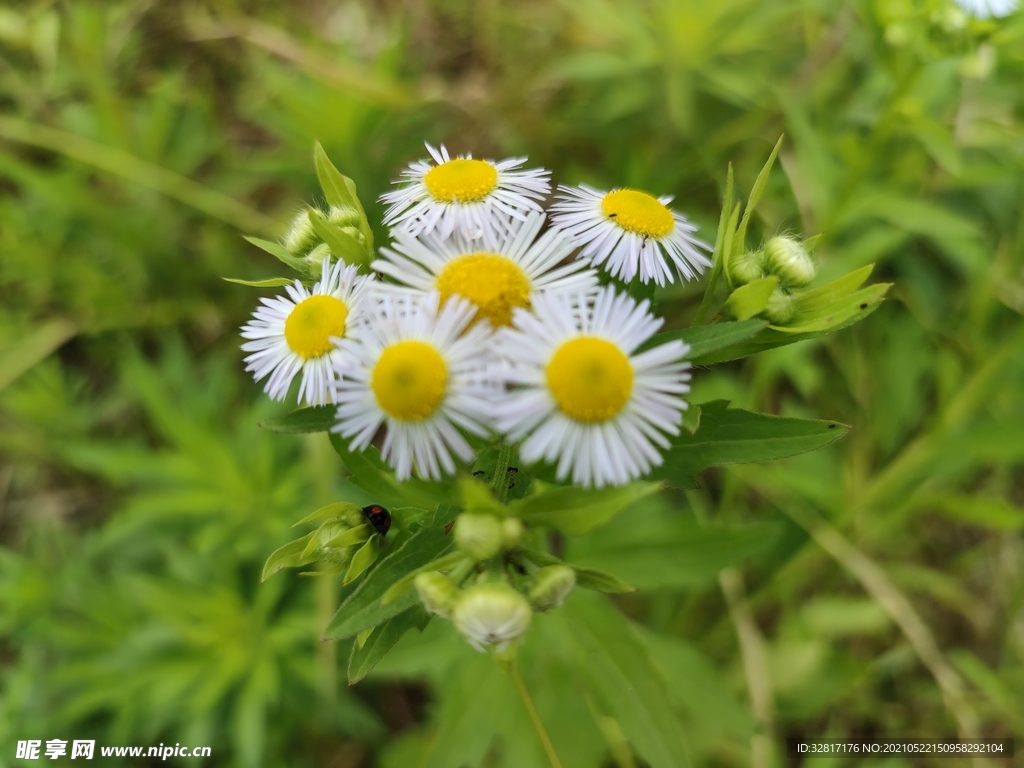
column 303, row 241
column 785, row 258
column 502, row 589
column 343, row 542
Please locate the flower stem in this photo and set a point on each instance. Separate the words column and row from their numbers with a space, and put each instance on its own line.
column 542, row 733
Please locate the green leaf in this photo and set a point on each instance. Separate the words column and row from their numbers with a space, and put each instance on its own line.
column 740, row 242
column 318, row 418
column 734, row 436
column 272, row 282
column 600, row 581
column 382, row 639
column 444, row 564
column 750, row 299
column 340, row 191
column 351, row 537
column 619, row 670
column 574, row 511
column 705, row 339
column 989, row 512
column 362, row 559
column 661, row 547
column 288, row 556
column 281, row 253
column 343, row 246
column 477, row 498
column 717, row 261
column 371, row 474
column 837, row 315
column 362, row 609
column 341, row 509
column 34, row 347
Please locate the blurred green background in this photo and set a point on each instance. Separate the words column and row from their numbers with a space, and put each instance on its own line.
column 876, row 587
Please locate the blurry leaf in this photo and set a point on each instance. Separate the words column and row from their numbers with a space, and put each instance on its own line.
column 618, row 669
column 350, row 538
column 31, row 349
column 841, row 617
column 317, row 418
column 600, row 581
column 478, row 499
column 987, row 511
column 382, row 639
column 574, row 511
column 362, row 559
column 288, row 556
column 718, row 260
column 362, row 609
column 691, row 419
column 337, row 509
column 733, row 436
column 697, row 687
column 705, row 339
column 750, row 299
column 273, row 282
column 656, row 551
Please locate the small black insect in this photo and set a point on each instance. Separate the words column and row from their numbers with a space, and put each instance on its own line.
column 379, row 518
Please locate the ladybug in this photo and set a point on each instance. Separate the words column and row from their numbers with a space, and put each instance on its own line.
column 379, row 518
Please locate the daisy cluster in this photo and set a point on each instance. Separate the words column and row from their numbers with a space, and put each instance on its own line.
column 486, row 316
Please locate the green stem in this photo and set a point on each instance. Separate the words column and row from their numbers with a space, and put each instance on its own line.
column 542, row 732
column 500, row 481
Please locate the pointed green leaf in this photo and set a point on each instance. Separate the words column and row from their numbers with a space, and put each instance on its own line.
column 477, row 497
column 282, row 253
column 340, row 191
column 750, row 299
column 363, row 559
column 339, row 509
column 444, row 564
column 271, row 282
column 717, row 262
column 288, row 556
column 740, row 242
column 733, row 436
column 382, row 639
column 351, row 537
column 318, row 418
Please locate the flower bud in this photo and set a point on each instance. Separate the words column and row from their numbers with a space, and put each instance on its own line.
column 551, row 585
column 479, row 536
column 491, row 615
column 788, row 259
column 316, row 256
column 437, row 592
column 300, row 236
column 344, row 217
column 780, row 307
column 511, row 532
column 747, row 267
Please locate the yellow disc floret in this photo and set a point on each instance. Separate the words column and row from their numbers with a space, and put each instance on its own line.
column 461, row 180
column 310, row 326
column 590, row 378
column 409, row 380
column 638, row 212
column 495, row 284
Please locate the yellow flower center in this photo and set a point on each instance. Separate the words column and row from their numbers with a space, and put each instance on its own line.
column 638, row 212
column 461, row 181
column 590, row 378
column 310, row 326
column 495, row 284
column 409, row 380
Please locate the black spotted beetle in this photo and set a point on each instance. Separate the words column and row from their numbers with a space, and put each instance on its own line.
column 379, row 518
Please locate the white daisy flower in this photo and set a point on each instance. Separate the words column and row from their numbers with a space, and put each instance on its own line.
column 987, row 9
column 497, row 273
column 421, row 372
column 294, row 333
column 587, row 400
column 627, row 231
column 464, row 195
